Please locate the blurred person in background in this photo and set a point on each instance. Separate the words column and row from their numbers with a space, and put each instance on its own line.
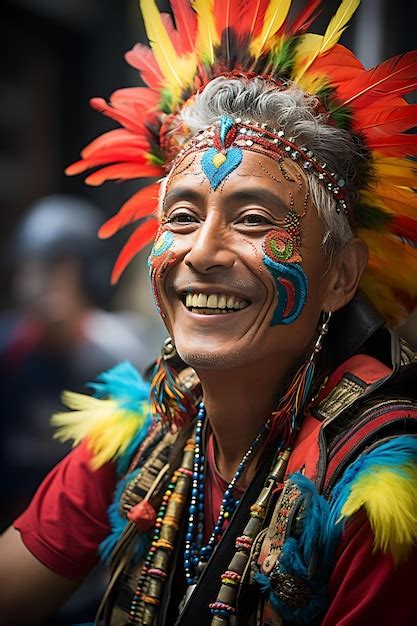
column 58, row 336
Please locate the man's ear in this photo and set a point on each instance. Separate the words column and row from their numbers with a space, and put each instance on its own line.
column 348, row 266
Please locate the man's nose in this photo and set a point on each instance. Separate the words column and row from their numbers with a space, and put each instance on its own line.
column 211, row 248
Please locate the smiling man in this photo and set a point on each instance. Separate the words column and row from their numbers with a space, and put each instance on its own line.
column 266, row 472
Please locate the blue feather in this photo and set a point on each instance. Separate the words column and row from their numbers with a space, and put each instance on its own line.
column 124, row 384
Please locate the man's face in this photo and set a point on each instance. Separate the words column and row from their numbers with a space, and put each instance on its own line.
column 223, row 303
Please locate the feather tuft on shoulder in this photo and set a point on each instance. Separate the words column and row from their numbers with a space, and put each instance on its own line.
column 384, row 483
column 113, row 421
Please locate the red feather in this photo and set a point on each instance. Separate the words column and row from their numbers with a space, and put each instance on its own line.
column 126, row 119
column 253, row 19
column 389, row 144
column 142, row 204
column 339, row 65
column 186, row 23
column 118, row 141
column 143, row 235
column 123, row 171
column 172, row 33
column 396, row 75
column 136, row 97
column 404, row 226
column 142, row 58
column 304, row 20
column 388, row 119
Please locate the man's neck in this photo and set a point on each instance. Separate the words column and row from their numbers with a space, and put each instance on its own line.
column 238, row 403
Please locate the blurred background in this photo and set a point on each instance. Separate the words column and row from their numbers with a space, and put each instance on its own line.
column 60, row 321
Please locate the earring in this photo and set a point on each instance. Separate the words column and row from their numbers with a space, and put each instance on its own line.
column 284, row 419
column 171, row 401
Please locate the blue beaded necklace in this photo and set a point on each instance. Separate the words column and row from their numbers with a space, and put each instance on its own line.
column 195, row 554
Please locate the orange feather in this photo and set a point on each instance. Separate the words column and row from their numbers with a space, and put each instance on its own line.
column 142, row 204
column 141, row 237
column 123, row 171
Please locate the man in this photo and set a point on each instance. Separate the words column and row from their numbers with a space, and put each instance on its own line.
column 277, row 484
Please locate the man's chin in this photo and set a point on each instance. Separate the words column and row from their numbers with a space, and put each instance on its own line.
column 211, row 358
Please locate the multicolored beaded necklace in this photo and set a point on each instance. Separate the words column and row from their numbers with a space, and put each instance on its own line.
column 196, row 554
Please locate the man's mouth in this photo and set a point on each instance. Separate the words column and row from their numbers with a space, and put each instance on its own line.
column 214, row 303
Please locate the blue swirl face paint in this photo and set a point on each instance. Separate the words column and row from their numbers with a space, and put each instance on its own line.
column 282, row 259
column 160, row 258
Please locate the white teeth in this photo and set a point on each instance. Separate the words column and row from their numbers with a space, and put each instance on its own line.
column 221, row 302
column 202, row 300
column 213, row 303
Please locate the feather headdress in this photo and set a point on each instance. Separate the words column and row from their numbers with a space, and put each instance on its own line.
column 211, row 37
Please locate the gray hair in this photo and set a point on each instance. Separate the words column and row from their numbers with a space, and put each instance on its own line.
column 298, row 115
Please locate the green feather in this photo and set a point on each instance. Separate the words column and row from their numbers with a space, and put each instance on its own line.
column 282, row 59
column 371, row 217
column 340, row 114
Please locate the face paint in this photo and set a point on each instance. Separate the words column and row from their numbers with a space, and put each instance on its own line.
column 160, row 258
column 282, row 258
column 222, row 159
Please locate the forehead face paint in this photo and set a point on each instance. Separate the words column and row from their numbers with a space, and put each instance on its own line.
column 160, row 258
column 222, row 159
column 282, row 258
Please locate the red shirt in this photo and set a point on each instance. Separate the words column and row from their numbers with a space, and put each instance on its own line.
column 364, row 588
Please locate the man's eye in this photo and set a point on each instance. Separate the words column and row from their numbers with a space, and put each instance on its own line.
column 181, row 218
column 254, row 219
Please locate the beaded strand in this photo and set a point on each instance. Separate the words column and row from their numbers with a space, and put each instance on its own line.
column 195, row 554
column 146, row 598
column 225, row 605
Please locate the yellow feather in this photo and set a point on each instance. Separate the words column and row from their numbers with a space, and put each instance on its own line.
column 334, row 31
column 160, row 42
column 207, row 37
column 275, row 16
column 390, row 501
column 107, row 429
column 395, row 171
column 392, row 198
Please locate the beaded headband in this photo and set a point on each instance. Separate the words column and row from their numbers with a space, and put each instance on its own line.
column 227, row 137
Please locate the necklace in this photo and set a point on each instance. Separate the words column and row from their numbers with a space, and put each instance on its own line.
column 196, row 554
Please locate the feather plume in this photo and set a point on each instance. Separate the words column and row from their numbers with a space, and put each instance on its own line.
column 208, row 37
column 161, row 43
column 396, row 76
column 142, row 204
column 141, row 237
column 384, row 482
column 253, row 22
column 387, row 119
column 275, row 16
column 304, row 19
column 186, row 23
column 108, row 423
column 143, row 59
column 334, row 31
column 123, row 171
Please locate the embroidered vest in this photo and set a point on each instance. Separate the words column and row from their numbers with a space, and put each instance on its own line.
column 364, row 404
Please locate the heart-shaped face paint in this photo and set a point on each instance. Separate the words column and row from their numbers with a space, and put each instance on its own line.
column 219, row 164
